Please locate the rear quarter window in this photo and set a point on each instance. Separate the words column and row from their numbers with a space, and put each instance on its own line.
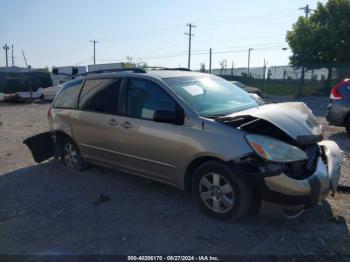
column 100, row 95
column 68, row 95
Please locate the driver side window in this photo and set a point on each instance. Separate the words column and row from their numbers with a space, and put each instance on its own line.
column 144, row 97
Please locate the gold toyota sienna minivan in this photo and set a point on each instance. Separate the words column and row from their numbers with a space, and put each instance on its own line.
column 197, row 132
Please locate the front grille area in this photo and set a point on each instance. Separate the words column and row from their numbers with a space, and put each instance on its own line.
column 313, row 152
column 303, row 169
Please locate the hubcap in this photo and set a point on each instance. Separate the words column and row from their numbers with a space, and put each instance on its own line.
column 216, row 192
column 70, row 155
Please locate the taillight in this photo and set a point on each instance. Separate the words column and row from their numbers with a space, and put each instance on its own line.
column 335, row 94
column 49, row 116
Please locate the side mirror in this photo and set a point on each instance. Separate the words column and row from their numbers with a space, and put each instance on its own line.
column 165, row 116
column 257, row 98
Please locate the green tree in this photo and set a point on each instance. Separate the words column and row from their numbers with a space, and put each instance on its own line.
column 223, row 65
column 323, row 39
column 202, row 67
column 142, row 64
column 129, row 62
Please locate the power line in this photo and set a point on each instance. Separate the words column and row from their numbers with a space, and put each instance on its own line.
column 216, row 52
column 233, row 49
column 255, row 45
column 193, row 52
column 189, row 43
column 242, row 50
column 239, row 40
column 167, row 30
column 150, row 34
column 276, row 14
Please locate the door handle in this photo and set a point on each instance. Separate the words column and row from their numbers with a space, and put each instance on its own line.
column 126, row 125
column 112, row 122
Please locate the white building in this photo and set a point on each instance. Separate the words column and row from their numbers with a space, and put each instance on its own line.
column 108, row 66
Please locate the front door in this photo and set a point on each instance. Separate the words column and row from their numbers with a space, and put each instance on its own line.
column 148, row 147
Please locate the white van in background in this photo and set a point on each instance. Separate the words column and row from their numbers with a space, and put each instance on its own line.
column 60, row 75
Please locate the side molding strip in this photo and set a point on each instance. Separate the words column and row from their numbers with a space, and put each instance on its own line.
column 127, row 155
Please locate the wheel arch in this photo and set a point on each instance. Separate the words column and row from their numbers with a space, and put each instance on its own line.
column 60, row 136
column 191, row 168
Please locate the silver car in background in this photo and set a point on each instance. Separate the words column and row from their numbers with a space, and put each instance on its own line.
column 338, row 110
column 197, row 132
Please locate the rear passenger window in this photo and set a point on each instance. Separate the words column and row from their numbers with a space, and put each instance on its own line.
column 145, row 97
column 68, row 96
column 100, row 95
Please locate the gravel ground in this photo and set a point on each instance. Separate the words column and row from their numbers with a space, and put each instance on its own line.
column 49, row 209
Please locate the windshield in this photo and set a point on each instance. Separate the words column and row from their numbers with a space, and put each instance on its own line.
column 239, row 84
column 210, row 95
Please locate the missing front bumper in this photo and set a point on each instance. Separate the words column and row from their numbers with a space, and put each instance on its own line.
column 285, row 193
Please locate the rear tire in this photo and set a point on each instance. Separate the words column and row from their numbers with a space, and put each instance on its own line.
column 71, row 155
column 220, row 192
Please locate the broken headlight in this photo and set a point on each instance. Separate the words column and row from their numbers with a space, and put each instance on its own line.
column 275, row 150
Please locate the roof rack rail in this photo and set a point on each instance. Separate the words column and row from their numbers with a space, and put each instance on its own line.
column 134, row 69
column 168, row 68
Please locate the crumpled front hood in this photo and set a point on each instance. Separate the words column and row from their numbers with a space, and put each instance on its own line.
column 293, row 118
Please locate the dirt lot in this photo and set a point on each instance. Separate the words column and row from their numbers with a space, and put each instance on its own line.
column 48, row 209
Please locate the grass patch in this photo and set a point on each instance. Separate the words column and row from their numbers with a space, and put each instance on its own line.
column 292, row 89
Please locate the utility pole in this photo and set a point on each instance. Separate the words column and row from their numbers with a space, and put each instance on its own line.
column 264, row 75
column 189, row 43
column 210, row 54
column 13, row 61
column 264, row 70
column 6, row 48
column 94, row 42
column 248, row 71
column 232, row 65
column 30, row 83
column 307, row 11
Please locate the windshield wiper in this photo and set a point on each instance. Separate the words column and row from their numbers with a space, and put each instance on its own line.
column 214, row 116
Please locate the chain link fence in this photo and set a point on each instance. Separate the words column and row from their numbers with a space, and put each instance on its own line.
column 317, row 80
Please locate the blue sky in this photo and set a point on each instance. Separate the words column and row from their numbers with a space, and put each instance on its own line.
column 57, row 33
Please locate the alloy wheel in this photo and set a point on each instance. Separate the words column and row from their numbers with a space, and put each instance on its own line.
column 216, row 192
column 70, row 155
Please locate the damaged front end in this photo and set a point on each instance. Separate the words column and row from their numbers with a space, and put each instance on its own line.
column 297, row 169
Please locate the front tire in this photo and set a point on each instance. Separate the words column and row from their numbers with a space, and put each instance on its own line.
column 220, row 192
column 71, row 155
